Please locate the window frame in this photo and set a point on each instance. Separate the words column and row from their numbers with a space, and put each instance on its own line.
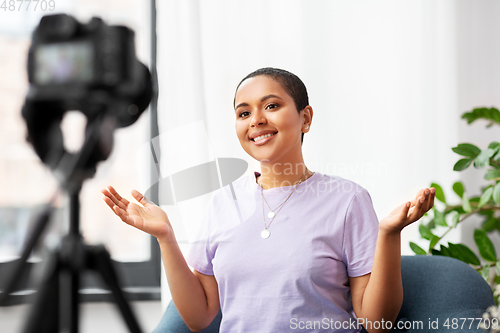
column 141, row 281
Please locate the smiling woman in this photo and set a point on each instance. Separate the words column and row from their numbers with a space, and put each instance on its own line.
column 270, row 123
column 316, row 251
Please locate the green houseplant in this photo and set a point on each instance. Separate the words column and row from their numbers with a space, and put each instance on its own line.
column 446, row 216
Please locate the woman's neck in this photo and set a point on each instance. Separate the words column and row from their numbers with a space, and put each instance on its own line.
column 278, row 175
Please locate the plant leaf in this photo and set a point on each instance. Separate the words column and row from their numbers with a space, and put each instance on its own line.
column 496, row 148
column 485, row 272
column 462, row 164
column 444, row 251
column 455, row 218
column 455, row 252
column 434, row 241
column 492, row 115
column 483, row 159
column 458, row 188
column 490, row 224
column 417, row 249
column 497, row 267
column 468, row 256
column 439, row 193
column 487, row 213
column 492, row 174
column 486, row 196
column 439, row 218
column 486, row 248
column 466, row 203
column 467, row 149
column 495, row 115
column 496, row 193
column 425, row 232
column 431, row 225
column 494, row 145
column 435, row 252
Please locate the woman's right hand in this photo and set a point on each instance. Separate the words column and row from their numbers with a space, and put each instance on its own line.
column 147, row 217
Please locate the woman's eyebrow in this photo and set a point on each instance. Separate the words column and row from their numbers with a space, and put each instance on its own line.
column 269, row 96
column 240, row 105
column 262, row 100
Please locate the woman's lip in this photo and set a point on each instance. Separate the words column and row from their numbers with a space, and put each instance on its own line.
column 263, row 141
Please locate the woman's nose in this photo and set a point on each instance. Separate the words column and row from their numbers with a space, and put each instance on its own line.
column 258, row 119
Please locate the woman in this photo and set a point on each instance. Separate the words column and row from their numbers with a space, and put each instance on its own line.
column 316, row 258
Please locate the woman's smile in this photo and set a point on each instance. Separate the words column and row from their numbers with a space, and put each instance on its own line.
column 262, row 137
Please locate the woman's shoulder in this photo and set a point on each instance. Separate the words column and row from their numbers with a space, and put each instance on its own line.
column 231, row 191
column 335, row 184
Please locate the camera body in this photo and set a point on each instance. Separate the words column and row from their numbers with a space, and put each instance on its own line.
column 85, row 64
column 91, row 68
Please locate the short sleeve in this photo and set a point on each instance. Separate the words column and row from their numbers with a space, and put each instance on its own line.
column 360, row 234
column 200, row 254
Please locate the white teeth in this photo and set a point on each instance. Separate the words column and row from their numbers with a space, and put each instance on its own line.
column 263, row 136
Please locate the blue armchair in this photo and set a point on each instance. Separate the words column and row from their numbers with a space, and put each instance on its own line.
column 439, row 293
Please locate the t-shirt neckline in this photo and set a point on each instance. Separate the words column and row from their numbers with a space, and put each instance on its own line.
column 281, row 188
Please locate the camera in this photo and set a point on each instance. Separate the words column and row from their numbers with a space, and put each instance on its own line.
column 88, row 67
column 81, row 64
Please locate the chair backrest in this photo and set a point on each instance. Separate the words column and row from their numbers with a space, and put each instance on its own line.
column 439, row 293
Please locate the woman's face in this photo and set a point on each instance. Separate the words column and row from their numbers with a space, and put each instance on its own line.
column 262, row 107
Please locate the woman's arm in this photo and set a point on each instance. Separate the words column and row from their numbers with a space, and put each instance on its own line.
column 195, row 295
column 377, row 297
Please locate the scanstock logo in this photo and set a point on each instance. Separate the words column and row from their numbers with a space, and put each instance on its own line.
column 192, row 169
column 198, row 180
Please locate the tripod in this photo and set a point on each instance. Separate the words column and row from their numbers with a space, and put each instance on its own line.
column 55, row 308
column 61, row 279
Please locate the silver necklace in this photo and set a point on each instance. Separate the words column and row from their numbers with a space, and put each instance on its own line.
column 266, row 233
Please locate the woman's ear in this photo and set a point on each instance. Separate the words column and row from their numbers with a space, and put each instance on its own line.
column 308, row 115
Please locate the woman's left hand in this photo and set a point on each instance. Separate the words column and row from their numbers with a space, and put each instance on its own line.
column 409, row 212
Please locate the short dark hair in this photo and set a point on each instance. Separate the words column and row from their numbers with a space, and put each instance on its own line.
column 292, row 84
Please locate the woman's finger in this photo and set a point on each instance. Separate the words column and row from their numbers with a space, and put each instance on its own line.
column 404, row 211
column 408, row 213
column 123, row 215
column 417, row 209
column 110, row 196
column 428, row 200
column 110, row 203
column 112, row 190
column 115, row 200
column 140, row 198
column 433, row 196
column 419, row 194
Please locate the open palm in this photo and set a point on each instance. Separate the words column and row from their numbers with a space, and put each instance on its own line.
column 410, row 211
column 147, row 216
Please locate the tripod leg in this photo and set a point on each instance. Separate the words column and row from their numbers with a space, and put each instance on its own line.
column 44, row 313
column 100, row 260
column 72, row 256
column 21, row 264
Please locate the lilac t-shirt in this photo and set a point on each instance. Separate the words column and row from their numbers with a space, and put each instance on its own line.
column 298, row 278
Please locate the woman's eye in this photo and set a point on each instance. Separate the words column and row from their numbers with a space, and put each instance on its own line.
column 243, row 114
column 272, row 106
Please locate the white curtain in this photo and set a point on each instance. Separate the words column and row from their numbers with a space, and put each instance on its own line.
column 381, row 76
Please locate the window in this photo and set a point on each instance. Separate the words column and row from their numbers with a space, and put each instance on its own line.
column 27, row 184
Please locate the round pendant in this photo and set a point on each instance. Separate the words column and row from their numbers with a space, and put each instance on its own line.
column 270, row 215
column 265, row 234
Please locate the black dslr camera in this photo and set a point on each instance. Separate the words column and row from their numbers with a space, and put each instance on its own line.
column 87, row 67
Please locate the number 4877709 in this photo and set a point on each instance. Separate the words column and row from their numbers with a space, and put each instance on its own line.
column 34, row 5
